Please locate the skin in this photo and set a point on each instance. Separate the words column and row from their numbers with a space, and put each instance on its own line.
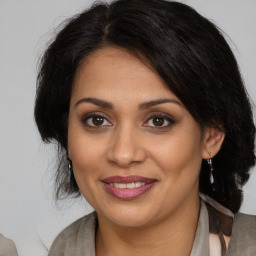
column 162, row 221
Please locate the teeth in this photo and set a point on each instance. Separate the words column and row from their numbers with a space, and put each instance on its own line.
column 128, row 185
column 138, row 184
column 119, row 185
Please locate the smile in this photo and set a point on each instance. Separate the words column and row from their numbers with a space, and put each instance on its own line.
column 129, row 187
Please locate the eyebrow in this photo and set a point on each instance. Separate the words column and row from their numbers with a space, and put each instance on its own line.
column 142, row 106
column 98, row 102
column 153, row 103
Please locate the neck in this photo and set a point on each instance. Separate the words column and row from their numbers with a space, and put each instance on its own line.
column 173, row 235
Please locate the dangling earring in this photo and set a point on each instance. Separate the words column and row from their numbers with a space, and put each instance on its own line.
column 70, row 167
column 72, row 179
column 209, row 161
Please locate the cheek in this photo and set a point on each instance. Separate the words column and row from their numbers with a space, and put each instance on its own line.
column 87, row 161
column 178, row 155
column 85, row 153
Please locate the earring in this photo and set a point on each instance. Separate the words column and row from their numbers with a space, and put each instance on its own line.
column 70, row 167
column 209, row 161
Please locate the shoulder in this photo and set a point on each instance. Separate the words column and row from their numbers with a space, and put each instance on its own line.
column 245, row 225
column 245, row 218
column 71, row 237
column 7, row 247
column 243, row 238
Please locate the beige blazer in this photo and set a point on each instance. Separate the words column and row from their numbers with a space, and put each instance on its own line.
column 7, row 247
column 78, row 238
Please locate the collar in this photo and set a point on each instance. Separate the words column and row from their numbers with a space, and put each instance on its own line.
column 201, row 241
column 206, row 243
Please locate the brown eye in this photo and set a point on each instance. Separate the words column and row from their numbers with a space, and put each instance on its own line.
column 96, row 121
column 158, row 121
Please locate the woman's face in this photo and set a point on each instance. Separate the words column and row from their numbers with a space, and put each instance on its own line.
column 136, row 150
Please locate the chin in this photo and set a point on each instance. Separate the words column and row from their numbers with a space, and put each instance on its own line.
column 129, row 216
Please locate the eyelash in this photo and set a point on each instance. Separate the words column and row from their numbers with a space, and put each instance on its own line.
column 92, row 115
column 166, row 118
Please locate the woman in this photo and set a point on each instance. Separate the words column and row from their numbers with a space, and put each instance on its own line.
column 145, row 100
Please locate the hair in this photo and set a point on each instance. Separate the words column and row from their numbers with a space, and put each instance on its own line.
column 187, row 51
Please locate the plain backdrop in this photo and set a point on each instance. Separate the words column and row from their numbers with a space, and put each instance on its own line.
column 28, row 213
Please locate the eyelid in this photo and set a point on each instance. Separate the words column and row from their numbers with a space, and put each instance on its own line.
column 165, row 116
column 95, row 114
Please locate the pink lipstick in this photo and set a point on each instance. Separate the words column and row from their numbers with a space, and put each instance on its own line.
column 128, row 187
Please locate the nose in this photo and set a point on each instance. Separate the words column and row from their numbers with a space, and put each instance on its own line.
column 126, row 148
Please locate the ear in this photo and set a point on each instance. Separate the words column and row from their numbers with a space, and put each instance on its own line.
column 212, row 141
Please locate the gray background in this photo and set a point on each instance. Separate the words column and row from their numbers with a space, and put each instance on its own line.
column 28, row 213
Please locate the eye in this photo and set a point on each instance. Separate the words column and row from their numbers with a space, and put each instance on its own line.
column 95, row 120
column 159, row 121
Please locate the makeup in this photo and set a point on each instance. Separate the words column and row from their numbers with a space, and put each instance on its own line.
column 128, row 187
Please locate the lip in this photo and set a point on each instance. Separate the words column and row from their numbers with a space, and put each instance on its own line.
column 128, row 193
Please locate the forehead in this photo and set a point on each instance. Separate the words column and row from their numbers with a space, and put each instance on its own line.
column 115, row 70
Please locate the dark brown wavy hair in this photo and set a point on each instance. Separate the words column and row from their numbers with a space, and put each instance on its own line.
column 187, row 51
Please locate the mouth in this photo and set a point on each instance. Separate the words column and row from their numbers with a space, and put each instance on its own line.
column 128, row 187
